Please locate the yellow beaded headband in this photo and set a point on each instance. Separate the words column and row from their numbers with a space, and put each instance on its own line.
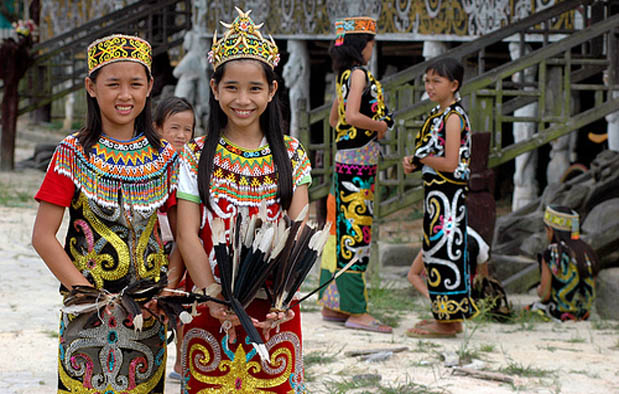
column 243, row 40
column 562, row 221
column 354, row 25
column 118, row 48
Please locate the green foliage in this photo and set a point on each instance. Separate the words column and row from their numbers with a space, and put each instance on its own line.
column 10, row 197
column 425, row 346
column 320, row 357
column 527, row 371
column 388, row 304
column 604, row 325
column 373, row 382
column 487, row 348
column 50, row 333
column 465, row 353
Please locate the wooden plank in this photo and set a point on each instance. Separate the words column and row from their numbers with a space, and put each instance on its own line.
column 554, row 132
column 472, row 47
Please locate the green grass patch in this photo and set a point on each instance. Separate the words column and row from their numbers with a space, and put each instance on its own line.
column 465, row 352
column 425, row 346
column 576, row 340
column 320, row 358
column 487, row 348
column 586, row 373
column 527, row 371
column 10, row 197
column 347, row 384
column 389, row 304
column 50, row 333
column 370, row 384
column 604, row 325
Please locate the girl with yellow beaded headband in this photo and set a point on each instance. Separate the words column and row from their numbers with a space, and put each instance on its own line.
column 568, row 267
column 245, row 162
column 113, row 175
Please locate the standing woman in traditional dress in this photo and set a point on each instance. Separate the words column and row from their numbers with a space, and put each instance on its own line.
column 244, row 161
column 360, row 118
column 443, row 153
column 113, row 175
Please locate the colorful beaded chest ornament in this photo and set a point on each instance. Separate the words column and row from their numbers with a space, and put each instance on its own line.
column 243, row 40
column 118, row 48
column 354, row 25
column 562, row 221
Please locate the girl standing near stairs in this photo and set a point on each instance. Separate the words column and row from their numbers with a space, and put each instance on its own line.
column 360, row 118
column 442, row 153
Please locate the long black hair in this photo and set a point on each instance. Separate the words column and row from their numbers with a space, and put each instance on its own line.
column 349, row 53
column 448, row 67
column 89, row 134
column 576, row 248
column 270, row 124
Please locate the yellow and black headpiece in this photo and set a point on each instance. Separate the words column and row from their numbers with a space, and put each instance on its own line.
column 243, row 40
column 562, row 221
column 118, row 48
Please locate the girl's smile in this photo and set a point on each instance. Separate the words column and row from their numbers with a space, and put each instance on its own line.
column 243, row 94
column 121, row 90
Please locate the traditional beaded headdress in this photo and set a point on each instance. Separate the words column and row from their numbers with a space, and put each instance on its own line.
column 118, row 48
column 243, row 40
column 562, row 221
column 354, row 25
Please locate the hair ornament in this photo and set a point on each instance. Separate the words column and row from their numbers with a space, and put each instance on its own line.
column 353, row 25
column 243, row 40
column 562, row 221
column 118, row 48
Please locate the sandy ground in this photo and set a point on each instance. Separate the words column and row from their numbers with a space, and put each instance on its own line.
column 578, row 357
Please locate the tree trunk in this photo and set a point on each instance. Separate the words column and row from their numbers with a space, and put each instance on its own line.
column 9, row 125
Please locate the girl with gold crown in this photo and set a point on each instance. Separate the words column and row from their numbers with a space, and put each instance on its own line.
column 568, row 268
column 243, row 163
column 113, row 175
column 360, row 118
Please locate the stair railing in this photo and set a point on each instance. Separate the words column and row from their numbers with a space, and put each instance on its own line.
column 60, row 63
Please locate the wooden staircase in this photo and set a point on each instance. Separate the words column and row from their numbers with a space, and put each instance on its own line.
column 60, row 63
column 491, row 97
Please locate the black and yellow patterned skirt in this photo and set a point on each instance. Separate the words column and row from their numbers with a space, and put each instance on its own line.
column 445, row 250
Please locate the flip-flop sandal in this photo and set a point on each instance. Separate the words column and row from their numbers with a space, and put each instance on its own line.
column 336, row 319
column 422, row 323
column 425, row 333
column 375, row 326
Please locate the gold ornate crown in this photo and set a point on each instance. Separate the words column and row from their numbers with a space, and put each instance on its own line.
column 354, row 25
column 562, row 221
column 243, row 40
column 118, row 48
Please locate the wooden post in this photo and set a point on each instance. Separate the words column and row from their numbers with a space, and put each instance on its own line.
column 11, row 72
